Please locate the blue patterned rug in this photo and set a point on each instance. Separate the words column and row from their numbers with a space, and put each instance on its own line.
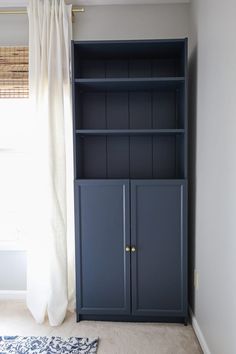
column 47, row 345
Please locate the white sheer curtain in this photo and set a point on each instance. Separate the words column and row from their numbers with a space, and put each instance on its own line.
column 50, row 278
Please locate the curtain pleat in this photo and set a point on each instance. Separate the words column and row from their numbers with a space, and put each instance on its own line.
column 50, row 275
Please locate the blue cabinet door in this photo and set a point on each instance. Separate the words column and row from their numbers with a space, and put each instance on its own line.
column 102, row 234
column 159, row 260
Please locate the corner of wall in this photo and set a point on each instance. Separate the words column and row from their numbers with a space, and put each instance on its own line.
column 199, row 333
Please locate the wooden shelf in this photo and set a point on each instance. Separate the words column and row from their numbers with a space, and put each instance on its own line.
column 127, row 84
column 77, row 181
column 129, row 131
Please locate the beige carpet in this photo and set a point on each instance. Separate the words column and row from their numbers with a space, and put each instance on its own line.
column 115, row 337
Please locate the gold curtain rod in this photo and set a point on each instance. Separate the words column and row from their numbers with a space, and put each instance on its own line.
column 21, row 12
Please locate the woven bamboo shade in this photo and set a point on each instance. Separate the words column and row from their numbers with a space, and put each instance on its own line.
column 14, row 72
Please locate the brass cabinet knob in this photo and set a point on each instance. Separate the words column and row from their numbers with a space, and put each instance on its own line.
column 133, row 249
column 127, row 248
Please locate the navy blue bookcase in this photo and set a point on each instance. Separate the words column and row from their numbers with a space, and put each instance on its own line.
column 130, row 158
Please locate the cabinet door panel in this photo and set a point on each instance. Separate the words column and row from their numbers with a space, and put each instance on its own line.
column 102, row 232
column 158, row 232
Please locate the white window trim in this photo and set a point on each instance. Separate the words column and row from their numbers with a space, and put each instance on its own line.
column 12, row 246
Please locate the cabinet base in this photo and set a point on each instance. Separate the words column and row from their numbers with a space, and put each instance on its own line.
column 119, row 318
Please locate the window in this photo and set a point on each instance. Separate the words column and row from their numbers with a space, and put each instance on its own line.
column 14, row 63
column 14, row 145
column 15, row 134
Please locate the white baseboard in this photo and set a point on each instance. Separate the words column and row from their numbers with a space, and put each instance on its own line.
column 12, row 295
column 199, row 333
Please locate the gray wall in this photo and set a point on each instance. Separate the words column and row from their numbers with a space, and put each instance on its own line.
column 13, row 30
column 213, row 65
column 97, row 22
column 132, row 22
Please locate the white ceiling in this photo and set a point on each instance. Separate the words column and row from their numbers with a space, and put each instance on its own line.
column 23, row 3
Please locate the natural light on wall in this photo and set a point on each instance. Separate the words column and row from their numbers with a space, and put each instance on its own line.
column 15, row 161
